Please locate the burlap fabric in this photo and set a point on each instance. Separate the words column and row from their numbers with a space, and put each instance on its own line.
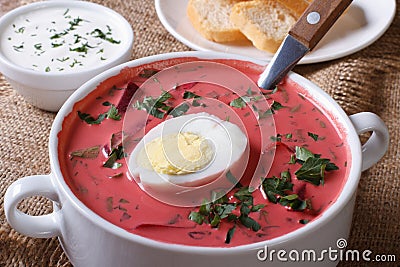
column 365, row 81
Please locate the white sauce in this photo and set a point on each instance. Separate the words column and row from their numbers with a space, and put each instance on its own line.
column 61, row 39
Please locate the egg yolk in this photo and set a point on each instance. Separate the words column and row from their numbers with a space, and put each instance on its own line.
column 177, row 154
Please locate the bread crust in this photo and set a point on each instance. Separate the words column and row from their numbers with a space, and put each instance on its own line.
column 264, row 22
column 213, row 32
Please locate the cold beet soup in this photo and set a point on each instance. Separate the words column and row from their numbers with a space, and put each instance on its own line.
column 309, row 168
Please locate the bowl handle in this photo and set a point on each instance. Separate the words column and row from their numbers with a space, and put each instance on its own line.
column 43, row 226
column 376, row 146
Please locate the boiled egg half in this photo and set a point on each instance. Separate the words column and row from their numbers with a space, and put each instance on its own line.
column 183, row 160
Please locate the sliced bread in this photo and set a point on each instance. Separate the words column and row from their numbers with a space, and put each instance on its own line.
column 264, row 22
column 211, row 19
column 296, row 7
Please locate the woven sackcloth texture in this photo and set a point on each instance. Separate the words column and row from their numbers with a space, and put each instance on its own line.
column 368, row 80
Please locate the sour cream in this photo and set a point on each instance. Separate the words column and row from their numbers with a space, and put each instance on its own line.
column 61, row 39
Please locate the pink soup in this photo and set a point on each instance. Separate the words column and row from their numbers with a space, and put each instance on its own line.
column 308, row 171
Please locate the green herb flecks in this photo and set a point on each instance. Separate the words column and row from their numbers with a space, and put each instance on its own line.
column 190, row 95
column 20, row 30
column 58, row 35
column 276, row 186
column 313, row 166
column 63, row 59
column 75, row 63
column 87, row 153
column 97, row 33
column 279, row 190
column 238, row 103
column 221, row 209
column 264, row 114
column 275, row 106
column 279, row 137
column 304, row 221
column 242, row 101
column 313, row 136
column 155, row 106
column 112, row 113
column 179, row 110
column 116, row 154
column 74, row 23
column 91, row 120
column 84, row 48
column 38, row 46
column 18, row 48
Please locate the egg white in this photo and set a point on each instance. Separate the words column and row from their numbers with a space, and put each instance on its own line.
column 230, row 147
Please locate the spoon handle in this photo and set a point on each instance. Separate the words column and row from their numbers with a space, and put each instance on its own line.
column 317, row 20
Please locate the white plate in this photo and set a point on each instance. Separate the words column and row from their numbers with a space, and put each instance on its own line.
column 362, row 24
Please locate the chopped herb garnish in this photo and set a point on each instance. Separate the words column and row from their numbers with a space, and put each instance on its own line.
column 304, row 221
column 238, row 103
column 18, row 48
column 97, row 33
column 231, row 178
column 293, row 202
column 81, row 49
column 116, row 154
column 38, row 46
column 277, row 138
column 63, row 59
column 112, row 113
column 222, row 209
column 275, row 106
column 275, row 186
column 313, row 136
column 279, row 190
column 179, row 110
column 89, row 119
column 155, row 106
column 75, row 22
column 313, row 166
column 54, row 45
column 20, row 30
column 229, row 234
column 75, row 62
column 190, row 95
column 87, row 153
column 58, row 35
column 241, row 101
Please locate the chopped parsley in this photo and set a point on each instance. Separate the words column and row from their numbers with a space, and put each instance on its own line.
column 87, row 153
column 313, row 166
column 155, row 106
column 279, row 190
column 313, row 136
column 241, row 101
column 97, row 33
column 116, row 154
column 221, row 209
column 190, row 95
column 179, row 110
column 112, row 113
